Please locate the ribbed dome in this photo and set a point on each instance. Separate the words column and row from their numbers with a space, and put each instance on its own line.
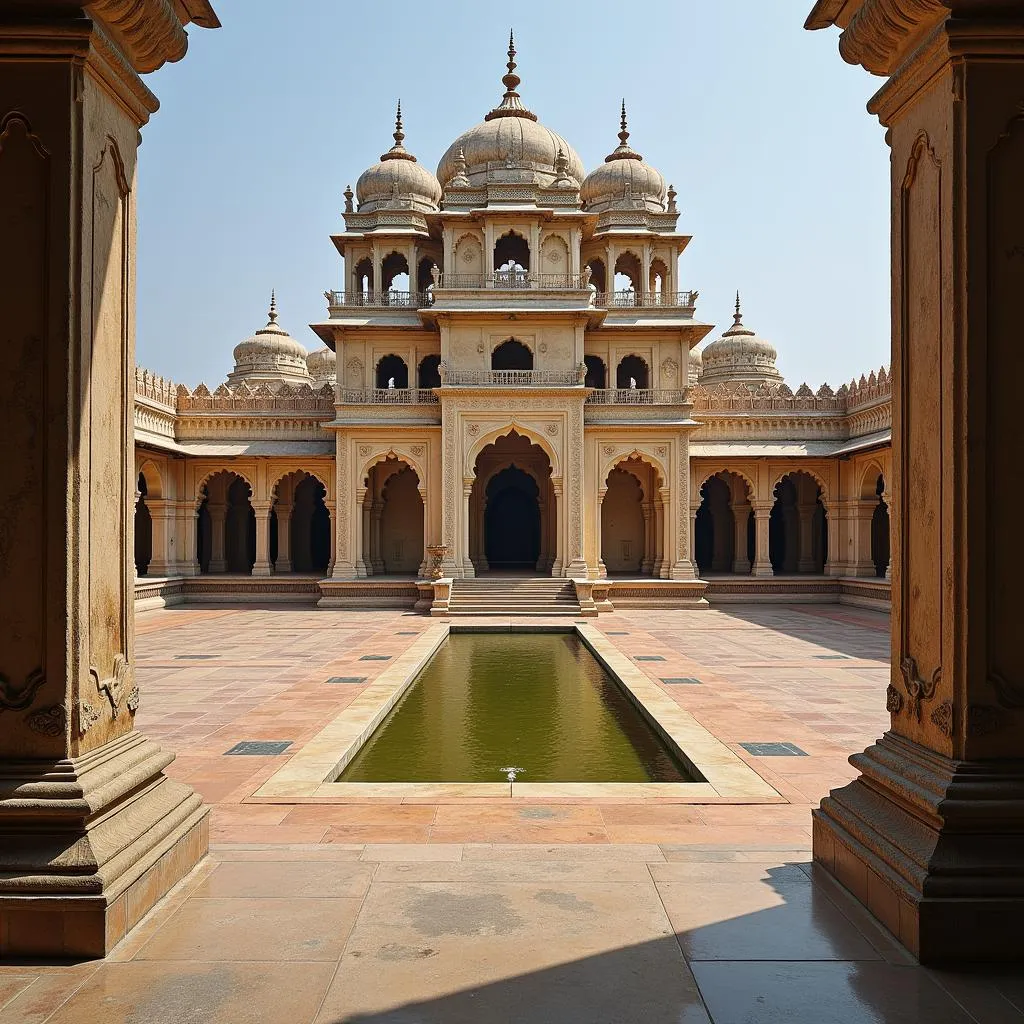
column 397, row 179
column 322, row 365
column 739, row 355
column 271, row 354
column 509, row 136
column 623, row 175
column 694, row 366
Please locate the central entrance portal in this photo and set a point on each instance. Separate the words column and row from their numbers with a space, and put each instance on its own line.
column 512, row 521
column 512, row 509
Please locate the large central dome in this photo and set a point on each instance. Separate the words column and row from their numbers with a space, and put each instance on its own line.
column 509, row 137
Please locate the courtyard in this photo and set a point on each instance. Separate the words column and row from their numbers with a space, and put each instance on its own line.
column 496, row 909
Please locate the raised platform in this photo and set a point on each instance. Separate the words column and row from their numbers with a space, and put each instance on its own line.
column 594, row 596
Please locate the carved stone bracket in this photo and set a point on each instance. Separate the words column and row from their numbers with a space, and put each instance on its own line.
column 917, row 689
column 16, row 698
column 117, row 685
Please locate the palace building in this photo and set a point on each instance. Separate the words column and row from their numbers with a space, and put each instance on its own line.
column 514, row 382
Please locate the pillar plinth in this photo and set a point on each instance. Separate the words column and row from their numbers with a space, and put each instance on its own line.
column 92, row 833
column 931, row 835
column 762, row 561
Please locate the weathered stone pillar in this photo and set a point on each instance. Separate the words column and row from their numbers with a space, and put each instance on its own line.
column 218, row 527
column 861, row 514
column 740, row 561
column 188, row 549
column 284, row 540
column 931, row 836
column 762, row 552
column 376, row 558
column 92, row 832
column 162, row 513
column 331, row 511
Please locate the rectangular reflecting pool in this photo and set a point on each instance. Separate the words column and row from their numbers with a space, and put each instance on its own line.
column 538, row 701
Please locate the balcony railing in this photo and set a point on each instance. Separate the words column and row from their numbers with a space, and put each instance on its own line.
column 513, row 378
column 515, row 280
column 647, row 300
column 390, row 300
column 637, row 396
column 388, row 396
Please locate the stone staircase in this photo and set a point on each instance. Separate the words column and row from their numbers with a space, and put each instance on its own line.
column 498, row 595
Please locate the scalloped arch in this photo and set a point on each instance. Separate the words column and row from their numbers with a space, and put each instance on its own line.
column 222, row 469
column 612, row 462
column 742, row 474
column 812, row 473
column 322, row 478
column 469, row 466
column 149, row 469
column 402, row 456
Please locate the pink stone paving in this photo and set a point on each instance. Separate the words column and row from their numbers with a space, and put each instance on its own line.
column 810, row 675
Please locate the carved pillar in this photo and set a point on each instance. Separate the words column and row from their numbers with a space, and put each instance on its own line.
column 188, row 529
column 284, row 539
column 261, row 567
column 762, row 566
column 218, row 527
column 931, row 835
column 559, row 562
column 694, row 509
column 92, row 833
column 162, row 514
column 647, row 560
column 572, row 486
column 679, row 543
column 346, row 525
column 467, row 562
column 861, row 513
column 363, row 534
column 740, row 559
column 331, row 511
column 661, row 502
column 376, row 554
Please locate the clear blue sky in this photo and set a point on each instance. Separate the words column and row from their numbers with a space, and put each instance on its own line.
column 782, row 175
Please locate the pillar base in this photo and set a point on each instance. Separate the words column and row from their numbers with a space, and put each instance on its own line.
column 934, row 848
column 682, row 571
column 762, row 570
column 89, row 844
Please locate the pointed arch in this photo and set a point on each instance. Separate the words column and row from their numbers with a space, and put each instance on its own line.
column 512, row 426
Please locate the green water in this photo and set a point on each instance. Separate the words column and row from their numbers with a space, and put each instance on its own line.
column 540, row 702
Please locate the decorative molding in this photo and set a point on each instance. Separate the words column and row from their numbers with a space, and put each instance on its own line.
column 878, row 32
column 917, row 689
column 893, row 700
column 942, row 717
column 114, row 687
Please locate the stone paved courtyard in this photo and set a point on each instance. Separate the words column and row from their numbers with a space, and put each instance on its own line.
column 470, row 910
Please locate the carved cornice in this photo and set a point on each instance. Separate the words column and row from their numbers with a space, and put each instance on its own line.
column 150, row 32
column 880, row 32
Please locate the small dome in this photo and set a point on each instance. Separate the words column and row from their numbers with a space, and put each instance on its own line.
column 510, row 136
column 739, row 355
column 322, row 365
column 694, row 366
column 623, row 175
column 397, row 179
column 271, row 354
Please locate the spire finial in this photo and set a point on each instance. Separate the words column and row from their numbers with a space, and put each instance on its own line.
column 623, row 131
column 511, row 105
column 399, row 134
column 273, row 307
column 738, row 317
column 623, row 151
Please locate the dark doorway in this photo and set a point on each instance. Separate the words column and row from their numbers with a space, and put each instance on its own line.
column 392, row 368
column 596, row 375
column 143, row 530
column 430, row 372
column 632, row 368
column 511, row 355
column 512, row 521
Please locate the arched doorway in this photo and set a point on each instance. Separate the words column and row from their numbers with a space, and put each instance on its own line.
column 880, row 531
column 512, row 520
column 300, row 525
column 633, row 521
column 597, row 376
column 724, row 540
column 511, row 355
column 429, row 372
column 226, row 527
column 798, row 526
column 512, row 525
column 393, row 520
column 632, row 372
column 392, row 372
column 511, row 261
column 143, row 529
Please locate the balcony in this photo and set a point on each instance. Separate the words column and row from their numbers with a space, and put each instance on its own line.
column 513, row 378
column 637, row 396
column 515, row 280
column 648, row 300
column 387, row 396
column 376, row 300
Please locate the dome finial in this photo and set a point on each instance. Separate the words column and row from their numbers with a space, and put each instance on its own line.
column 623, row 151
column 273, row 307
column 398, row 151
column 511, row 105
column 623, row 131
column 738, row 316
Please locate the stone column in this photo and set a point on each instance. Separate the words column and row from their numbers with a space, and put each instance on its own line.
column 467, row 562
column 188, row 529
column 218, row 526
column 740, row 561
column 662, row 502
column 860, row 514
column 762, row 566
column 261, row 567
column 92, row 833
column 694, row 509
column 805, row 534
column 362, row 533
column 559, row 562
column 931, row 835
column 647, row 559
column 376, row 559
column 162, row 515
column 331, row 511
column 284, row 540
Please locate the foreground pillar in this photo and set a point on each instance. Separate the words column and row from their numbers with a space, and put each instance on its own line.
column 762, row 558
column 92, row 832
column 931, row 836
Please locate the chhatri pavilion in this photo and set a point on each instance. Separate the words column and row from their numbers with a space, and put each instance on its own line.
column 514, row 380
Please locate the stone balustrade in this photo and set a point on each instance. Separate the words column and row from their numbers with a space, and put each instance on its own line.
column 637, row 396
column 387, row 396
